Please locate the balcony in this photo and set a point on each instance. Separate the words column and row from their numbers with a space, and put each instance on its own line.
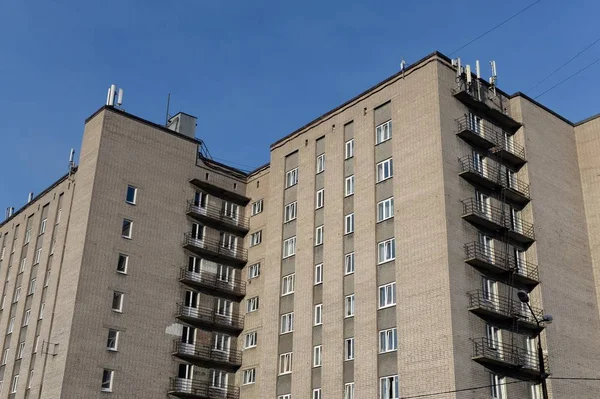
column 222, row 187
column 508, row 360
column 483, row 215
column 209, row 318
column 184, row 388
column 502, row 265
column 504, row 312
column 208, row 356
column 215, row 216
column 492, row 176
column 213, row 283
column 486, row 103
column 214, row 249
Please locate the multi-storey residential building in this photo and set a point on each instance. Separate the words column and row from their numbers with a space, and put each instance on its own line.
column 379, row 254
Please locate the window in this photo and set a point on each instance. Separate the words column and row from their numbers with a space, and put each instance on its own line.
column 497, row 386
column 20, row 350
column 3, row 301
column 27, row 236
column 255, row 238
column 131, row 195
column 249, row 376
column 349, row 224
column 26, row 317
column 349, row 153
column 385, row 209
column 31, row 286
column 58, row 215
column 387, row 295
column 38, row 256
column 17, row 295
column 218, row 379
column 117, row 302
column 5, row 357
column 386, row 250
column 30, row 379
column 318, row 274
column 287, row 323
column 291, row 178
column 286, row 396
column 389, row 387
column 383, row 132
column 122, row 264
column 349, row 186
column 257, row 207
column 317, row 356
column 287, row 284
column 252, row 304
column 250, row 340
column 318, row 314
column 289, row 213
column 349, row 306
column 47, row 281
column 127, row 228
column 388, row 340
column 37, row 343
column 316, row 393
column 254, row 270
column 349, row 349
column 107, row 380
column 319, row 236
column 384, row 170
column 289, row 247
column 43, row 226
column 536, row 391
column 52, row 246
column 285, row 363
column 320, row 163
column 349, row 390
column 349, row 263
column 42, row 306
column 23, row 263
column 113, row 340
column 320, row 198
column 15, row 383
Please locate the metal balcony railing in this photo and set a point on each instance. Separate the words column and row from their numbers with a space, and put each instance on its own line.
column 504, row 309
column 214, row 213
column 207, row 353
column 213, row 281
column 184, row 387
column 511, row 360
column 486, row 102
column 216, row 248
column 209, row 316
column 494, row 218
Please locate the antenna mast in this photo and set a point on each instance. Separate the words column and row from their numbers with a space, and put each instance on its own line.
column 168, row 105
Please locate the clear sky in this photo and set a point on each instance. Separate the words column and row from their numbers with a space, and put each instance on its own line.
column 253, row 71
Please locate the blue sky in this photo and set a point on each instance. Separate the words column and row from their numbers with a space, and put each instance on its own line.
column 253, row 71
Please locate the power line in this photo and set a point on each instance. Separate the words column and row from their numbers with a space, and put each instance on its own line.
column 567, row 78
column 565, row 64
column 575, row 378
column 496, row 27
column 425, row 395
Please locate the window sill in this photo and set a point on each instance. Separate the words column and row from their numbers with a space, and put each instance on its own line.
column 348, row 195
column 383, row 220
column 112, row 350
column 117, row 311
column 382, row 180
column 129, row 238
column 120, row 272
column 386, row 306
column 385, row 261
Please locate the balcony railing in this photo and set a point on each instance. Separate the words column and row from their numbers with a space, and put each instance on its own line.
column 213, row 282
column 486, row 102
column 491, row 175
column 493, row 218
column 502, row 264
column 215, row 249
column 504, row 311
column 212, row 213
column 509, row 360
column 208, row 355
column 209, row 317
column 185, row 388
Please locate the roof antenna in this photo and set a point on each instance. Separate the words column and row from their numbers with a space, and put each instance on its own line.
column 72, row 161
column 168, row 105
column 402, row 67
column 494, row 77
column 478, row 71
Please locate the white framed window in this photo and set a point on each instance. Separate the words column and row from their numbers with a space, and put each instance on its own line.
column 31, row 286
column 30, row 380
column 318, row 315
column 38, row 256
column 349, row 149
column 287, row 284
column 23, row 263
column 349, row 263
column 389, row 387
column 383, row 132
column 20, row 350
column 285, row 363
column 287, row 323
column 318, row 235
column 42, row 307
column 26, row 317
column 250, row 340
column 316, row 393
column 387, row 295
column 289, row 212
column 349, row 224
column 3, row 302
column 252, row 304
column 218, row 378
column 17, row 295
column 256, row 238
column 320, row 163
column 15, row 384
column 291, row 178
column 27, row 236
column 107, row 380
column 112, row 342
column 349, row 186
column 317, row 355
column 497, row 387
column 127, row 228
column 131, row 197
column 349, row 349
column 47, row 280
column 254, row 270
column 43, row 226
column 385, row 170
column 385, row 209
column 319, row 274
column 386, row 251
column 536, row 391
column 249, row 376
column 5, row 357
column 257, row 207
column 122, row 264
column 117, row 301
column 320, row 201
column 286, row 396
column 289, row 247
column 388, row 340
column 37, row 343
column 349, row 390
column 11, row 325
column 349, row 306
